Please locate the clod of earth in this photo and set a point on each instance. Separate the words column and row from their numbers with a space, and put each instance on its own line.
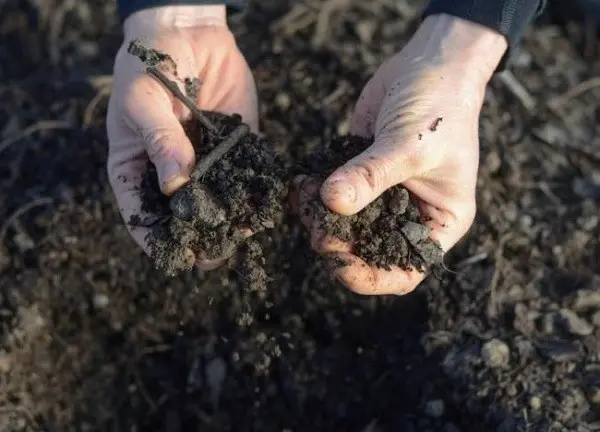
column 241, row 190
column 389, row 231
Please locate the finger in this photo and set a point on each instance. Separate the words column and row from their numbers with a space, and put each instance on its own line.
column 448, row 226
column 363, row 279
column 149, row 112
column 389, row 161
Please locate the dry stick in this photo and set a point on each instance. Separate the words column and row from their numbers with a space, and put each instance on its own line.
column 30, row 130
column 156, row 73
column 219, row 151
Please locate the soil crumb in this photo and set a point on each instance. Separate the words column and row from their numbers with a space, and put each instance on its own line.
column 244, row 191
column 388, row 232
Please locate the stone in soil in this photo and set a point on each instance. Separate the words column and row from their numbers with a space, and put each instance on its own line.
column 495, row 354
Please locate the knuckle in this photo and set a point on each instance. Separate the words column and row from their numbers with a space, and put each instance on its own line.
column 157, row 141
column 133, row 94
column 377, row 171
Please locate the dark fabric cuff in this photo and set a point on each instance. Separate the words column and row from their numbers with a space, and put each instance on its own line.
column 127, row 7
column 508, row 17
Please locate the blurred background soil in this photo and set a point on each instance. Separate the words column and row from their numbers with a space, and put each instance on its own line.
column 93, row 339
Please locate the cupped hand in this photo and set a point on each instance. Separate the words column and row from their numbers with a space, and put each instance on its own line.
column 422, row 109
column 144, row 118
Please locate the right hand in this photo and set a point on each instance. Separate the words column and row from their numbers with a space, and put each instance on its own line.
column 144, row 118
column 422, row 109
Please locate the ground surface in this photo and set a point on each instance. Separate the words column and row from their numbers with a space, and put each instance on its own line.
column 94, row 339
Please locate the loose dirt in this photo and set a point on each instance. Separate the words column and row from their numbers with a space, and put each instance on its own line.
column 389, row 231
column 239, row 187
column 243, row 191
column 93, row 337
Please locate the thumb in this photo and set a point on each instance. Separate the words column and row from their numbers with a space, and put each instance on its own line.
column 361, row 180
column 163, row 138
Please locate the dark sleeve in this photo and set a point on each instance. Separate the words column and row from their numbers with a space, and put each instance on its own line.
column 508, row 17
column 127, row 7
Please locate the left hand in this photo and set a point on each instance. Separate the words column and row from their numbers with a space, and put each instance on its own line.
column 422, row 108
column 144, row 118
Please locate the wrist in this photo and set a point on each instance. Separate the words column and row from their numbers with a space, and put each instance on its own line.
column 164, row 18
column 469, row 49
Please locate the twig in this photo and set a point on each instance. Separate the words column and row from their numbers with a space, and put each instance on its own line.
column 149, row 221
column 30, row 130
column 499, row 260
column 100, row 81
column 518, row 90
column 474, row 259
column 219, row 151
column 89, row 111
column 172, row 86
column 21, row 211
column 578, row 90
column 323, row 26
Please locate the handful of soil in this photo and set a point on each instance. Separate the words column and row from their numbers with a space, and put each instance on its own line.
column 389, row 231
column 238, row 186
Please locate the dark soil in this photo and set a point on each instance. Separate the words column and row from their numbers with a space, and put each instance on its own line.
column 246, row 189
column 239, row 184
column 389, row 231
column 93, row 338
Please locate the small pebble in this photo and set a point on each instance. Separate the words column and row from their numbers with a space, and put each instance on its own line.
column 573, row 323
column 365, row 30
column 535, row 403
column 101, row 300
column 283, row 101
column 495, row 353
column 525, row 349
column 435, row 408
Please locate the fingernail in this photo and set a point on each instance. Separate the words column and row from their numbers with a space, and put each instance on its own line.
column 335, row 190
column 169, row 171
column 170, row 177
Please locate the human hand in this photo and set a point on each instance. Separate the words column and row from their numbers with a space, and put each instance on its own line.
column 143, row 120
column 422, row 108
